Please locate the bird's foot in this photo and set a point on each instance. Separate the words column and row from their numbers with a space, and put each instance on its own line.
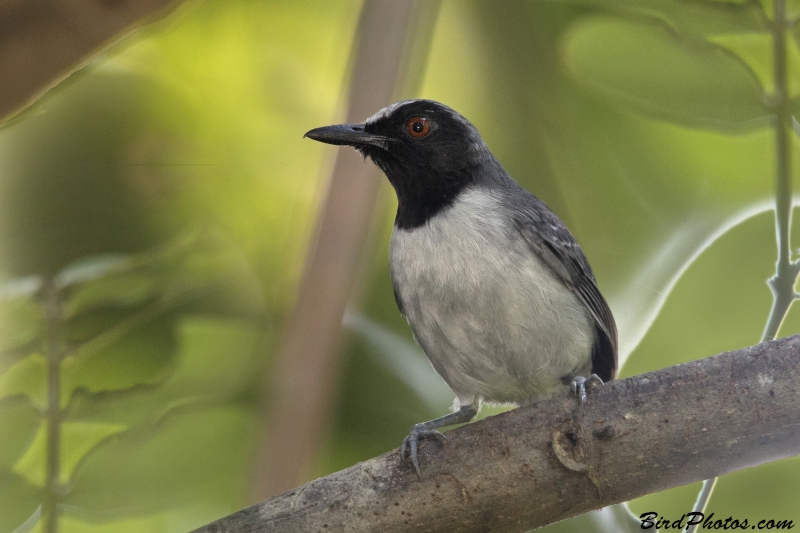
column 417, row 432
column 578, row 385
column 427, row 430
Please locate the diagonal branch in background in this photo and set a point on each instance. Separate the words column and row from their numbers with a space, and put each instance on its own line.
column 41, row 43
column 539, row 464
column 302, row 384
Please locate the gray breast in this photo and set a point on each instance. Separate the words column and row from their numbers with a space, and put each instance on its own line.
column 493, row 320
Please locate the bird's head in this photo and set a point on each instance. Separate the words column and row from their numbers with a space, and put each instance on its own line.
column 429, row 152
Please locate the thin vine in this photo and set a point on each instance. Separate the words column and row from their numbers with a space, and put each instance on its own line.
column 786, row 271
column 55, row 355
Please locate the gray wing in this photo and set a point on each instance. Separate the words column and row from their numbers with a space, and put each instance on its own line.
column 552, row 242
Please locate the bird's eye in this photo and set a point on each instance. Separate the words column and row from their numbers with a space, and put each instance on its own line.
column 418, row 127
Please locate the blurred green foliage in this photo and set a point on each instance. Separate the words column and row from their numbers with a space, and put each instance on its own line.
column 167, row 193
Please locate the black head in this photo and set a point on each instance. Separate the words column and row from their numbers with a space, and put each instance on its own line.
column 429, row 152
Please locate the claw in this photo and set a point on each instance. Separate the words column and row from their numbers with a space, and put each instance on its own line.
column 410, row 444
column 578, row 385
column 427, row 430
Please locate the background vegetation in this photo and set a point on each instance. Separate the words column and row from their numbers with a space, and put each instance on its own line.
column 156, row 208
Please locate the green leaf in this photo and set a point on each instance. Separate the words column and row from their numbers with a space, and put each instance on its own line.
column 123, row 321
column 144, row 355
column 189, row 456
column 92, row 268
column 195, row 267
column 218, row 356
column 756, row 51
column 647, row 68
column 19, row 501
column 217, row 359
column 706, row 17
column 29, row 377
column 21, row 319
column 174, row 520
column 19, row 421
column 27, row 287
column 123, row 290
column 31, row 522
column 77, row 439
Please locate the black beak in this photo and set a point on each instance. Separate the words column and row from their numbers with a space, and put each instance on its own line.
column 347, row 134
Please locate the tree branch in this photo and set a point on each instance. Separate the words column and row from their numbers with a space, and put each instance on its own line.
column 542, row 463
column 300, row 388
column 41, row 43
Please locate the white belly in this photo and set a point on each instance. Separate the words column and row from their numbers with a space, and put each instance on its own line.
column 493, row 320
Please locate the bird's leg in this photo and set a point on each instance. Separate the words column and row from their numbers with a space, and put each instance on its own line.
column 578, row 386
column 426, row 430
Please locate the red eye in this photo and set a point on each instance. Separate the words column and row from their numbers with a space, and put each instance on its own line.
column 418, row 127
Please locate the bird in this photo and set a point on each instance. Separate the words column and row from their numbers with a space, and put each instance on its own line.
column 496, row 290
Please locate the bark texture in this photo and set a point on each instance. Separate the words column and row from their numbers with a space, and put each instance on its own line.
column 542, row 463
